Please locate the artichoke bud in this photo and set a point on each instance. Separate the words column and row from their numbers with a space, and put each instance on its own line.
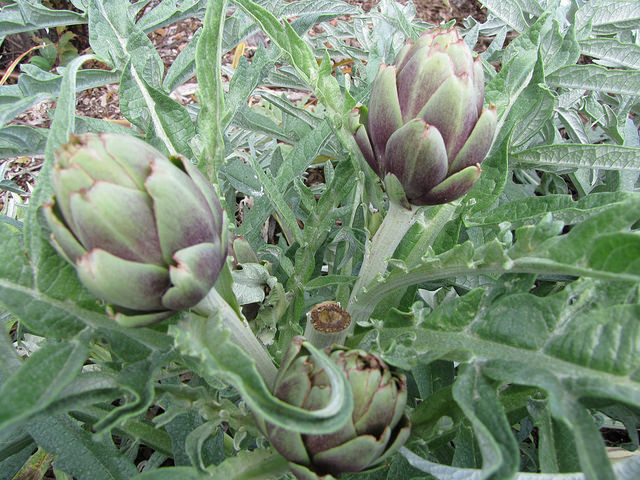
column 425, row 123
column 145, row 232
column 378, row 427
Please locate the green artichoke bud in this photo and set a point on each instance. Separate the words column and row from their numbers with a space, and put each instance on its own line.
column 425, row 123
column 378, row 426
column 145, row 232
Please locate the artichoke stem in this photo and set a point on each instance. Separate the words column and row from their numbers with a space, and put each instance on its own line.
column 241, row 334
column 433, row 221
column 327, row 323
column 380, row 249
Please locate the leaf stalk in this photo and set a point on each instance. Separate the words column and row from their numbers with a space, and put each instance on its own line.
column 241, row 334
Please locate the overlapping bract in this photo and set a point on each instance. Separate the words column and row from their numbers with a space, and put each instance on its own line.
column 145, row 232
column 425, row 123
column 378, row 426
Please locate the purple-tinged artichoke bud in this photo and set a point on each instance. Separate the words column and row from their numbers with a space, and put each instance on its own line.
column 378, row 427
column 145, row 232
column 425, row 124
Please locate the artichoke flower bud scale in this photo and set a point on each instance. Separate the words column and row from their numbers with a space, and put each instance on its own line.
column 384, row 115
column 478, row 83
column 362, row 140
column 103, row 273
column 436, row 81
column 452, row 187
column 65, row 183
column 63, row 240
column 416, row 154
column 355, row 455
column 449, row 111
column 145, row 232
column 402, row 54
column 460, row 56
column 175, row 198
column 118, row 220
column 419, row 80
column 378, row 425
column 478, row 143
column 191, row 276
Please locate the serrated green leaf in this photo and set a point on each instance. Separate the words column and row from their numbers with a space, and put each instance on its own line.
column 564, row 407
column 573, row 123
column 608, row 16
column 209, row 71
column 285, row 38
column 10, row 186
column 296, row 162
column 79, row 454
column 563, row 207
column 519, row 60
column 167, row 124
column 329, row 280
column 171, row 11
column 10, row 110
column 40, row 379
column 567, row 348
column 17, row 140
column 274, row 193
column 612, row 50
column 492, row 179
column 34, row 81
column 184, row 66
column 174, row 473
column 109, row 28
column 597, row 78
column 500, row 453
column 97, row 125
column 509, row 12
column 553, row 158
column 137, row 381
column 140, row 430
column 208, row 341
column 531, row 110
column 254, row 465
column 121, row 43
column 556, row 450
column 559, row 48
column 85, row 389
column 178, row 429
column 31, row 16
column 195, row 442
column 599, row 247
column 247, row 77
column 302, row 114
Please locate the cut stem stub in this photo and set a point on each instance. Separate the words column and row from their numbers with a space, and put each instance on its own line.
column 327, row 323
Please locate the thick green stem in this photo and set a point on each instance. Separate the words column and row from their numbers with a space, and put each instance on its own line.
column 327, row 323
column 381, row 247
column 393, row 228
column 432, row 222
column 241, row 334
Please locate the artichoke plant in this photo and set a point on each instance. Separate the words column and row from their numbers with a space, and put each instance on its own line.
column 378, row 426
column 145, row 232
column 425, row 124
